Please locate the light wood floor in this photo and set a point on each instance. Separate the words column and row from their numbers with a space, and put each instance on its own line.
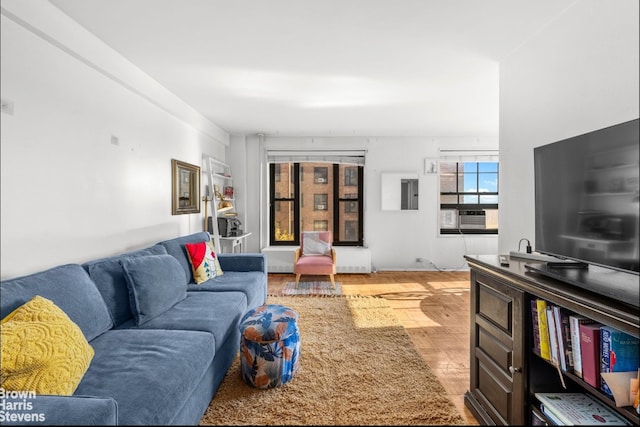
column 434, row 309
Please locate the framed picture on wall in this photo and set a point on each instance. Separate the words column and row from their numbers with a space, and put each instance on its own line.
column 185, row 183
column 430, row 166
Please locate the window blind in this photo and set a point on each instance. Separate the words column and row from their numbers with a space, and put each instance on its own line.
column 352, row 157
column 478, row 155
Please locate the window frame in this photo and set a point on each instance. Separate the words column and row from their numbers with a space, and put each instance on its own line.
column 333, row 199
column 460, row 205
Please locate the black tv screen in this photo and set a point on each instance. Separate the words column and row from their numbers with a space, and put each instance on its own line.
column 586, row 197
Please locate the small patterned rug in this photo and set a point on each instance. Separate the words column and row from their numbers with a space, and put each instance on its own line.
column 311, row 288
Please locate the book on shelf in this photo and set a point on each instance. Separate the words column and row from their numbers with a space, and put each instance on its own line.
column 618, row 353
column 553, row 336
column 578, row 409
column 565, row 350
column 574, row 323
column 636, row 399
column 590, row 353
column 605, row 359
column 537, row 419
column 545, row 350
column 555, row 421
column 535, row 327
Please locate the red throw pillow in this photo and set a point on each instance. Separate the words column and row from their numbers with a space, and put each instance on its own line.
column 204, row 261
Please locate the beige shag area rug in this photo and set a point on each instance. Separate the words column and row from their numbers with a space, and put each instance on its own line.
column 358, row 366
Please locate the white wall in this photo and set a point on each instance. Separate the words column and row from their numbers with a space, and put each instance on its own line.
column 68, row 194
column 395, row 238
column 577, row 75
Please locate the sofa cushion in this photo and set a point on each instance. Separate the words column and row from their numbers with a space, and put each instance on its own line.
column 150, row 373
column 243, row 262
column 204, row 261
column 175, row 247
column 252, row 283
column 216, row 312
column 156, row 283
column 58, row 353
column 109, row 278
column 70, row 288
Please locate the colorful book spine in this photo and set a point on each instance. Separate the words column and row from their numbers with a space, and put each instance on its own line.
column 553, row 336
column 619, row 352
column 574, row 323
column 545, row 350
column 535, row 327
column 566, row 339
column 555, row 310
column 590, row 352
column 565, row 353
column 605, row 357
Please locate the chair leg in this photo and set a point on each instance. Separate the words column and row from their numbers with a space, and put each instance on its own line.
column 333, row 283
column 297, row 280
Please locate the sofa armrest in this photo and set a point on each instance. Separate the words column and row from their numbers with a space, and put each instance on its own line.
column 57, row 410
column 243, row 262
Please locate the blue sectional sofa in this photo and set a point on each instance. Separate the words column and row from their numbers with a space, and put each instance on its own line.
column 163, row 370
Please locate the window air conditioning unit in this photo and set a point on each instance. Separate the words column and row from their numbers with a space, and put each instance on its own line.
column 321, row 180
column 321, row 207
column 472, row 219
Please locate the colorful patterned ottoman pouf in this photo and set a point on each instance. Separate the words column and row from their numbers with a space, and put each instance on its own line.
column 269, row 345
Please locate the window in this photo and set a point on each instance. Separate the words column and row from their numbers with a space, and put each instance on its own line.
column 320, row 202
column 351, row 176
column 320, row 225
column 333, row 202
column 321, row 175
column 350, row 229
column 282, row 203
column 468, row 197
column 350, row 207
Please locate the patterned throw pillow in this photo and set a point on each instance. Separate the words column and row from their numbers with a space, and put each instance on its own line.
column 313, row 245
column 43, row 350
column 204, row 261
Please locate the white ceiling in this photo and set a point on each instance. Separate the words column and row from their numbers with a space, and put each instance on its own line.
column 325, row 67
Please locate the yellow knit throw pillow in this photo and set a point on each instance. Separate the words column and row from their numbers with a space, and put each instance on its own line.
column 42, row 349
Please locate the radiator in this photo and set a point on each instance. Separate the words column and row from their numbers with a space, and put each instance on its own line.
column 349, row 260
column 353, row 260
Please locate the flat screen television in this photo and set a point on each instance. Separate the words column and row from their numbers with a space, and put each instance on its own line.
column 586, row 211
column 586, row 197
